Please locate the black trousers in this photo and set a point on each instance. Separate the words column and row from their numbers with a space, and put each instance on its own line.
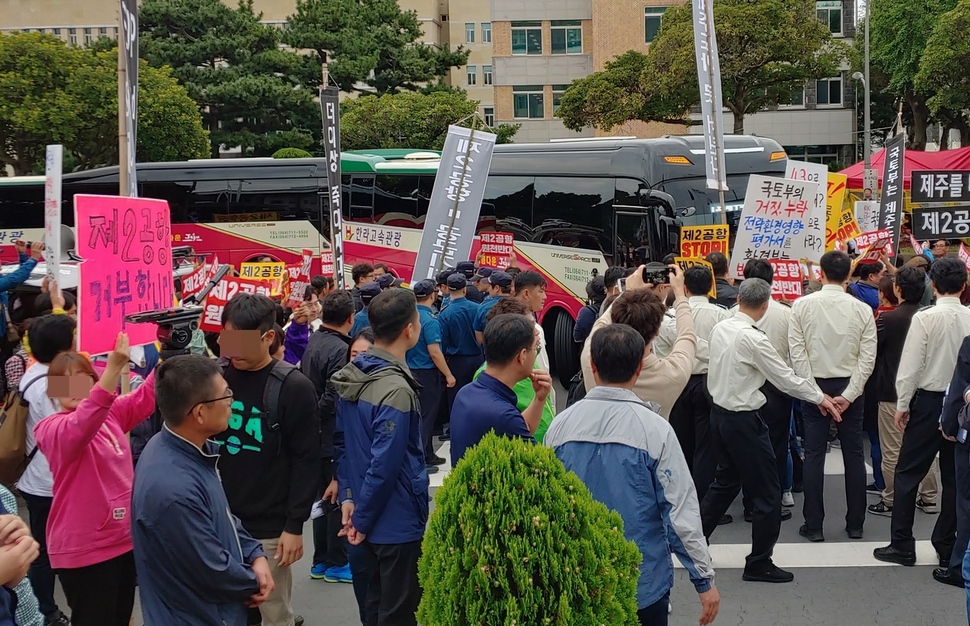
column 777, row 416
column 656, row 613
column 850, row 435
column 690, row 417
column 463, row 368
column 922, row 441
column 429, row 400
column 328, row 548
column 393, row 593
column 41, row 575
column 101, row 594
column 744, row 460
column 961, row 466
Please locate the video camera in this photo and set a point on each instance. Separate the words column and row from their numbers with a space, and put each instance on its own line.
column 176, row 324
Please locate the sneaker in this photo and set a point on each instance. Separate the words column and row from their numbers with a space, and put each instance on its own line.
column 338, row 574
column 787, row 499
column 298, row 620
column 57, row 619
column 318, row 571
column 317, row 511
column 927, row 507
column 871, row 488
column 881, row 508
column 769, row 573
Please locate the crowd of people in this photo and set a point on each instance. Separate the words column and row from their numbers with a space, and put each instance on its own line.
column 198, row 483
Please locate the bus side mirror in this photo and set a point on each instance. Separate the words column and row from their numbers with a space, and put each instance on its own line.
column 658, row 199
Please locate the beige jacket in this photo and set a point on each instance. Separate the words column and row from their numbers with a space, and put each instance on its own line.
column 661, row 380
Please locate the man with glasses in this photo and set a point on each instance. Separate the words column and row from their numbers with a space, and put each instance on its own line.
column 196, row 563
column 511, row 346
column 941, row 247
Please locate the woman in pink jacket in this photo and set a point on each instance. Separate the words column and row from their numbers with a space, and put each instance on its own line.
column 89, row 529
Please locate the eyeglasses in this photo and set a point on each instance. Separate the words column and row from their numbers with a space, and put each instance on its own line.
column 226, row 397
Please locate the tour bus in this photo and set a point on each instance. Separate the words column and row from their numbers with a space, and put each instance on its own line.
column 573, row 207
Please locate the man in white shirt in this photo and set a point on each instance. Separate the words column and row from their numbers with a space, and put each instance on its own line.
column 49, row 335
column 742, row 359
column 925, row 369
column 833, row 341
column 690, row 416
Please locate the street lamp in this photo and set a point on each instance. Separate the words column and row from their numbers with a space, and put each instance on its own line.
column 869, row 175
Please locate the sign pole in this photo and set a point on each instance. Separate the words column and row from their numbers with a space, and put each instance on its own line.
column 122, row 107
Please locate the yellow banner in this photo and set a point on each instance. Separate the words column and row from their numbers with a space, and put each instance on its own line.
column 696, row 242
column 840, row 222
column 686, row 263
column 270, row 272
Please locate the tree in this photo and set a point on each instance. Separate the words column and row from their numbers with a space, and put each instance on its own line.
column 372, row 42
column 247, row 87
column 291, row 153
column 516, row 539
column 767, row 50
column 52, row 93
column 943, row 70
column 407, row 120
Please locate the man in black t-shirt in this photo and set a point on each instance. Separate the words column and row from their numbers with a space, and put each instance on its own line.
column 269, row 455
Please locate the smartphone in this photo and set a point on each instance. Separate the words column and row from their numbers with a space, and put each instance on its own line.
column 656, row 274
column 621, row 283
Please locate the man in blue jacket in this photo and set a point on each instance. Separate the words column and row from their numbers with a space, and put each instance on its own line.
column 381, row 471
column 196, row 564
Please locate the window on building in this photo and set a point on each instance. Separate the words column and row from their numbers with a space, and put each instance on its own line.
column 486, row 74
column 797, row 99
column 557, row 91
column 830, row 14
column 72, row 35
column 88, row 37
column 527, row 102
column 813, row 154
column 652, row 17
column 828, row 92
column 526, row 37
column 486, row 32
column 103, row 32
column 469, row 32
column 489, row 113
column 567, row 37
column 472, row 75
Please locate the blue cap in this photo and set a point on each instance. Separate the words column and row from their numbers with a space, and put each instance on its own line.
column 500, row 279
column 385, row 280
column 457, row 281
column 369, row 291
column 482, row 272
column 424, row 288
column 442, row 276
column 467, row 268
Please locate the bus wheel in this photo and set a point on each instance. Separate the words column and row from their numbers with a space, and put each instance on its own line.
column 567, row 350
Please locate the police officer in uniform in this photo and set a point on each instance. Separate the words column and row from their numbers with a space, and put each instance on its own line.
column 467, row 269
column 500, row 286
column 462, row 352
column 741, row 359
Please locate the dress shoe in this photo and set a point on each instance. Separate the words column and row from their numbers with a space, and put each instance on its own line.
column 432, row 469
column 815, row 536
column 854, row 534
column 785, row 516
column 942, row 575
column 434, row 459
column 929, row 508
column 725, row 519
column 767, row 574
column 890, row 554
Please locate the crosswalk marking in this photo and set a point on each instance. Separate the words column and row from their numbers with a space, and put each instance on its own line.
column 833, row 554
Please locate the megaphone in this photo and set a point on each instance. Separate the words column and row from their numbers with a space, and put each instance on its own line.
column 68, row 244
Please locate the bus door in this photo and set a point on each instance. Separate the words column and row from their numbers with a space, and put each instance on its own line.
column 632, row 245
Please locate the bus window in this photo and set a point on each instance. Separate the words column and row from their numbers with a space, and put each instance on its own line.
column 632, row 240
column 399, row 200
column 576, row 202
column 22, row 206
column 274, row 199
column 508, row 206
column 358, row 198
column 628, row 191
column 693, row 192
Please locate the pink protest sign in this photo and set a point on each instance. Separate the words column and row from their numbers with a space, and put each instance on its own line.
column 126, row 244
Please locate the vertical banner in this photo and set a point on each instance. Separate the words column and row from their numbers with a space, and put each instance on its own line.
column 129, row 34
column 126, row 245
column 456, row 201
column 709, row 78
column 52, row 210
column 330, row 107
column 891, row 199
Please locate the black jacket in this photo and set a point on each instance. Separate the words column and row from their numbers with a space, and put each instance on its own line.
column 891, row 330
column 954, row 393
column 727, row 294
column 326, row 354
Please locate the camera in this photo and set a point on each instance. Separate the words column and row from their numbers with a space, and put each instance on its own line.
column 656, row 274
column 175, row 326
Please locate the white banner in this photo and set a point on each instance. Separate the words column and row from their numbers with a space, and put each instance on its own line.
column 779, row 221
column 456, row 201
column 867, row 215
column 129, row 36
column 52, row 211
column 709, row 78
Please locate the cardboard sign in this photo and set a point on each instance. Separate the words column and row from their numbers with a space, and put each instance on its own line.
column 840, row 222
column 126, row 244
column 326, row 263
column 497, row 249
column 685, row 264
column 964, row 255
column 918, row 248
column 696, row 242
column 222, row 293
column 199, row 278
column 867, row 216
column 267, row 272
column 787, row 281
column 781, row 221
column 873, row 245
column 296, row 289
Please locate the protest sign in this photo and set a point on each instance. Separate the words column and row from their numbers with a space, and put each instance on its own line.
column 712, row 108
column 874, row 244
column 126, row 244
column 812, row 173
column 941, row 223
column 867, row 216
column 687, row 263
column 918, row 248
column 964, row 255
column 52, row 211
column 696, row 242
column 787, row 281
column 891, row 200
column 326, row 263
column 840, row 222
column 296, row 289
column 330, row 110
column 129, row 38
column 268, row 272
column 497, row 249
column 940, row 186
column 779, row 221
column 222, row 293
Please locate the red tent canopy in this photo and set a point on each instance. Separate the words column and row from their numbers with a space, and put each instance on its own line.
column 943, row 160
